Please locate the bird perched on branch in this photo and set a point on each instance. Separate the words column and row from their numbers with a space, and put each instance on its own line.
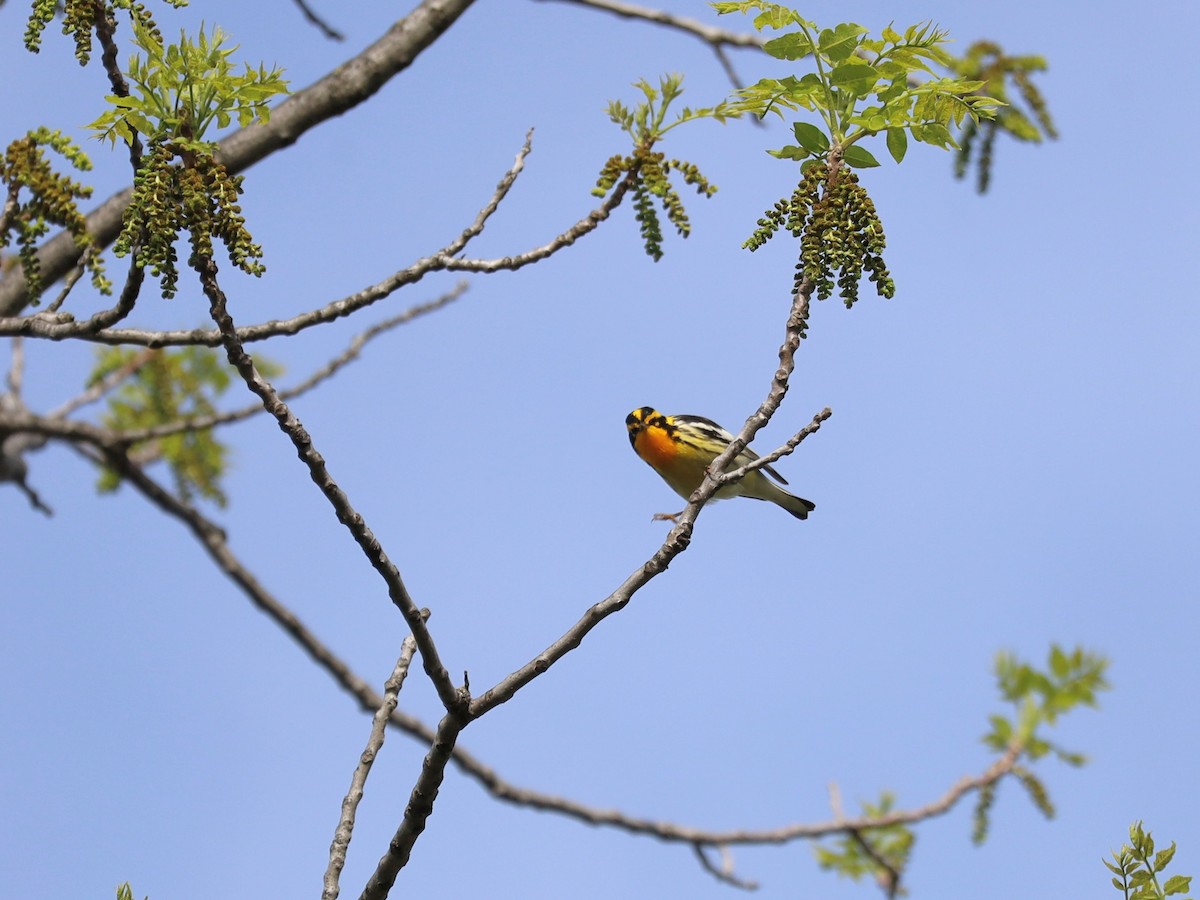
column 680, row 448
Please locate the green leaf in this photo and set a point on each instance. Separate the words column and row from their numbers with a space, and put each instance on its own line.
column 775, row 16
column 794, row 45
column 856, row 77
column 1059, row 664
column 1163, row 857
column 840, row 42
column 859, row 157
column 1177, row 884
column 790, row 152
column 897, row 143
column 811, row 138
column 939, row 136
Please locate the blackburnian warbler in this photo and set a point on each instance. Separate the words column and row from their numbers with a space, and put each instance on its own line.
column 680, row 448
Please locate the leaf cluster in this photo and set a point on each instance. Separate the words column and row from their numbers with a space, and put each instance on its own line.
column 163, row 387
column 987, row 62
column 180, row 91
column 51, row 201
column 648, row 170
column 859, row 854
column 125, row 892
column 168, row 387
column 1039, row 697
column 1136, row 868
column 861, row 86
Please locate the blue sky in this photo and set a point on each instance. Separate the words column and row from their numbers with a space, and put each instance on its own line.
column 1010, row 463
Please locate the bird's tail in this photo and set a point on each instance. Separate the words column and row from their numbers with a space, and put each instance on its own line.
column 757, row 486
column 797, row 506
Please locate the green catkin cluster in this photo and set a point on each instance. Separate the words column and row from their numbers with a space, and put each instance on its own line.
column 986, row 61
column 199, row 198
column 840, row 233
column 51, row 202
column 651, row 172
column 79, row 18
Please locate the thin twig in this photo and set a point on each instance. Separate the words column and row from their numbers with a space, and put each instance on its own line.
column 68, row 283
column 352, row 351
column 345, row 827
column 109, row 382
column 715, row 37
column 502, row 188
column 723, row 873
column 11, row 205
column 312, row 17
column 792, row 443
column 16, row 367
column 886, row 874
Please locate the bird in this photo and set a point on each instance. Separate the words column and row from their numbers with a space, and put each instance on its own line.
column 680, row 448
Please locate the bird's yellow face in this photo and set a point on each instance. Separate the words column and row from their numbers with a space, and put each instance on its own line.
column 650, row 433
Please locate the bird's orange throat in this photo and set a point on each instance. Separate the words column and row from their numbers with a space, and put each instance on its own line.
column 657, row 447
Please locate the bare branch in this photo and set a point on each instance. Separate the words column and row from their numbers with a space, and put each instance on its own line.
column 420, row 805
column 327, row 30
column 502, row 189
column 356, row 80
column 345, row 828
column 312, row 459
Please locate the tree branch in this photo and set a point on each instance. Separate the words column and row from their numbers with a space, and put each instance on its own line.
column 419, row 808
